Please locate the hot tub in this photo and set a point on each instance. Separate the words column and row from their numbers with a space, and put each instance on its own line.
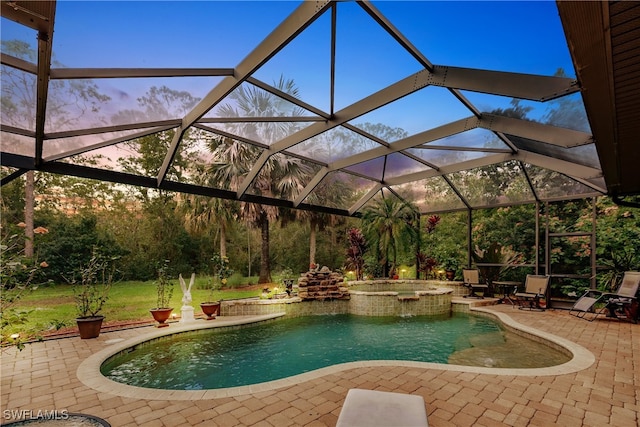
column 366, row 298
column 399, row 298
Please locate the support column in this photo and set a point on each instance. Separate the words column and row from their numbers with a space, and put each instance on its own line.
column 469, row 237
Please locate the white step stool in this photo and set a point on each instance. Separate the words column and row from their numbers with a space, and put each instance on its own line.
column 371, row 408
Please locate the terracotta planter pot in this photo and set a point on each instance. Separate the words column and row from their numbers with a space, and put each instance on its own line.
column 210, row 309
column 161, row 315
column 89, row 327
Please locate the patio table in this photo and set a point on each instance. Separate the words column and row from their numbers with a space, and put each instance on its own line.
column 505, row 286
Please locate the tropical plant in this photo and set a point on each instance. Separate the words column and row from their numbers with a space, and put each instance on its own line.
column 221, row 273
column 164, row 286
column 200, row 213
column 281, row 176
column 432, row 223
column 388, row 225
column 497, row 260
column 426, row 265
column 450, row 263
column 618, row 232
column 615, row 267
column 18, row 274
column 355, row 252
column 319, row 221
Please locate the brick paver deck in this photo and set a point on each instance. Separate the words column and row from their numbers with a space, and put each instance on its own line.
column 607, row 393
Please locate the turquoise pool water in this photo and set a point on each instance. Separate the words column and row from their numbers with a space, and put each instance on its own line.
column 279, row 349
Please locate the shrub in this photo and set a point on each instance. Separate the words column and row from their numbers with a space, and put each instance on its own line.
column 164, row 286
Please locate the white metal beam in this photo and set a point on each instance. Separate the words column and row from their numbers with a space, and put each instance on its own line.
column 364, row 199
column 45, row 42
column 389, row 94
column 293, row 25
column 396, row 34
column 409, row 142
column 516, row 85
column 457, row 167
column 562, row 137
column 565, row 167
column 311, row 185
column 116, row 128
column 18, row 64
column 120, row 73
column 107, row 143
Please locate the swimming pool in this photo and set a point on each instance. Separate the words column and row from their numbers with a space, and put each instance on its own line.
column 283, row 348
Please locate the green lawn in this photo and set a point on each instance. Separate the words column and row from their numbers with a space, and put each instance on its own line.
column 52, row 306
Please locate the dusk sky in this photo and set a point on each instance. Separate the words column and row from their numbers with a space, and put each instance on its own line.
column 502, row 36
column 523, row 37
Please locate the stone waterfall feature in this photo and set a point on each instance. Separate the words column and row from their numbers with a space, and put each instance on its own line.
column 321, row 285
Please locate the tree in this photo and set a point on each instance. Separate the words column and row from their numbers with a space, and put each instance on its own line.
column 150, row 151
column 162, row 221
column 512, row 226
column 201, row 213
column 388, row 225
column 66, row 106
column 355, row 251
column 71, row 243
column 280, row 177
column 331, row 192
column 567, row 111
column 618, row 234
column 161, row 232
column 426, row 263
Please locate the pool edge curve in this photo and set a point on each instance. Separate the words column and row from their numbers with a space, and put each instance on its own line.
column 89, row 374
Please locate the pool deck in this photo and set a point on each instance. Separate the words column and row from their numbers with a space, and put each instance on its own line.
column 603, row 391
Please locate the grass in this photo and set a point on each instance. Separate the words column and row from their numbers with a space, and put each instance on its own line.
column 52, row 307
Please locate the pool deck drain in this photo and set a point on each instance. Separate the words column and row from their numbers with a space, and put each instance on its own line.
column 604, row 392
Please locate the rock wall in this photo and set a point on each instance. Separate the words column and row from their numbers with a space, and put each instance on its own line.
column 322, row 284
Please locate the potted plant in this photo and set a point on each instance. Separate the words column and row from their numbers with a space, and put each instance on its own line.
column 450, row 265
column 221, row 272
column 91, row 285
column 164, row 291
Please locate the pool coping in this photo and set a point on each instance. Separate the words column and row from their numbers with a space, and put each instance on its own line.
column 89, row 374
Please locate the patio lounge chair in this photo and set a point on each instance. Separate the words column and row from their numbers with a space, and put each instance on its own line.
column 535, row 290
column 471, row 279
column 371, row 408
column 624, row 302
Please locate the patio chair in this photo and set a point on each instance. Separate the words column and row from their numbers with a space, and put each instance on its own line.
column 622, row 303
column 535, row 290
column 471, row 279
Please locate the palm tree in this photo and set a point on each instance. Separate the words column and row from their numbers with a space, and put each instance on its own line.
column 280, row 177
column 201, row 212
column 333, row 193
column 388, row 226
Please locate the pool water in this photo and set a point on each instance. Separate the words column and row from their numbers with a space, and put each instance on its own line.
column 249, row 355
